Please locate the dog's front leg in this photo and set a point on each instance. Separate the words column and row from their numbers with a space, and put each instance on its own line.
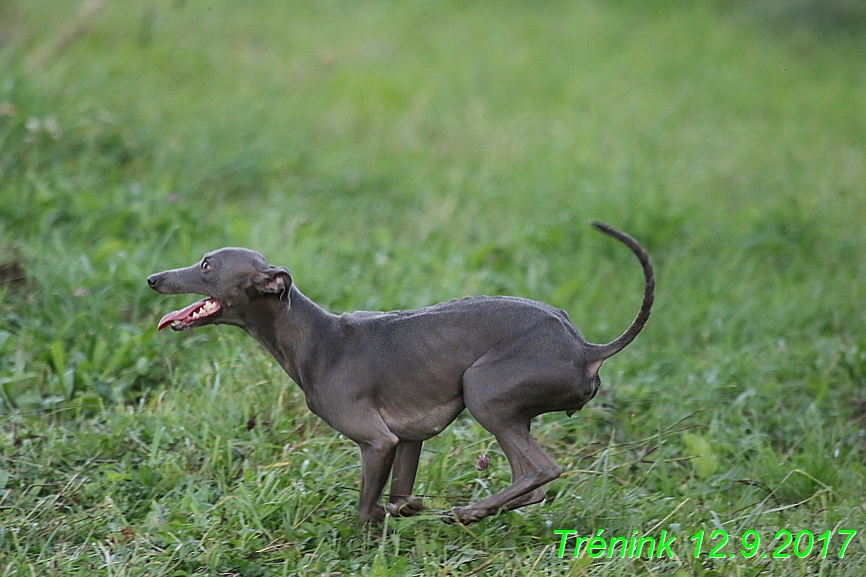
column 402, row 503
column 376, row 460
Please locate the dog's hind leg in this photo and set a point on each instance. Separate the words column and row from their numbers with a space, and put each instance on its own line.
column 538, row 468
column 535, row 496
column 504, row 395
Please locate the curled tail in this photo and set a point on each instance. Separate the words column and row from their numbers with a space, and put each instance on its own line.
column 601, row 352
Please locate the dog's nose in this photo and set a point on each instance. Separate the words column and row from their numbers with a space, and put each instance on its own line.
column 152, row 280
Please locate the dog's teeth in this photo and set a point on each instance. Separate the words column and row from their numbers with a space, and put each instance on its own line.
column 204, row 310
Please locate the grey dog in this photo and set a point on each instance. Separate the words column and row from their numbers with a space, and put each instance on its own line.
column 391, row 380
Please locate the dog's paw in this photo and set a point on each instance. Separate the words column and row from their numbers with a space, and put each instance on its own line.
column 461, row 515
column 374, row 514
column 405, row 507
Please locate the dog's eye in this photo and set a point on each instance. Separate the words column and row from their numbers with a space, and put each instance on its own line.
column 206, row 265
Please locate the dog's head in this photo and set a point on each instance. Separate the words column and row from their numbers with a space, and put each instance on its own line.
column 230, row 278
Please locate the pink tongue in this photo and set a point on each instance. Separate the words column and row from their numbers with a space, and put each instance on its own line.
column 177, row 315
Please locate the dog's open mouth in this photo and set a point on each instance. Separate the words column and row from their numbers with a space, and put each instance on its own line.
column 187, row 317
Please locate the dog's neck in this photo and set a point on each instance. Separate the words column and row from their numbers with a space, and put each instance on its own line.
column 292, row 331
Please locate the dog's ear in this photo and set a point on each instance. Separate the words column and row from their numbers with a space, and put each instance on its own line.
column 276, row 281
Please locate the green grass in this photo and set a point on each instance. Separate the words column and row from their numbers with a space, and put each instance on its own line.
column 396, row 154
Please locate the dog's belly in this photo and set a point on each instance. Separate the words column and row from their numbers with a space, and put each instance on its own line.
column 417, row 425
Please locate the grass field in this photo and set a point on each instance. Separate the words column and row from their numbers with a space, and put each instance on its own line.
column 394, row 155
